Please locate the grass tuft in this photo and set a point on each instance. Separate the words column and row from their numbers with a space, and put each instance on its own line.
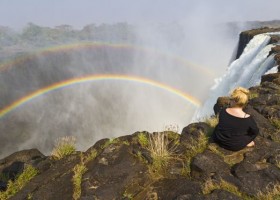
column 209, row 186
column 64, row 146
column 143, row 139
column 162, row 152
column 78, row 170
column 15, row 186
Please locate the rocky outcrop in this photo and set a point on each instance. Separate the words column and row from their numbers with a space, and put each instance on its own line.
column 128, row 167
column 246, row 36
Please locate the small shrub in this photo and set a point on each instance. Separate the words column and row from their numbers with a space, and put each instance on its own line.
column 13, row 187
column 64, row 146
column 143, row 139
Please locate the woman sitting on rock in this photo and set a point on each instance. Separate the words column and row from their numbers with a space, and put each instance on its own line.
column 236, row 129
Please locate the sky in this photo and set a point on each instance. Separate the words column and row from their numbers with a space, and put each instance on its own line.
column 78, row 13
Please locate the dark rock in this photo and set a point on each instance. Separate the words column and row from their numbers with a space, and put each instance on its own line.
column 256, row 178
column 221, row 194
column 25, row 156
column 98, row 145
column 246, row 36
column 208, row 164
column 191, row 197
column 13, row 170
column 174, row 188
column 222, row 102
column 265, row 127
column 193, row 131
column 270, row 77
column 55, row 183
column 113, row 173
column 3, row 185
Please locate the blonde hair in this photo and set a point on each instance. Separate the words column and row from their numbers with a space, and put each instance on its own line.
column 239, row 96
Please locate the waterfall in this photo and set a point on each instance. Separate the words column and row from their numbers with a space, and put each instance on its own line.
column 246, row 71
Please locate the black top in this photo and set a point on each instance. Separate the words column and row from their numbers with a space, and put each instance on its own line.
column 234, row 133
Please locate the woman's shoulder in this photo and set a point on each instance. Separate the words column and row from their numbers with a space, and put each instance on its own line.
column 238, row 114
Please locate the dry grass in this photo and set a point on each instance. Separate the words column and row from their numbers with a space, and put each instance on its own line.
column 172, row 127
column 162, row 153
column 209, row 186
column 13, row 187
column 212, row 121
column 64, row 146
column 271, row 194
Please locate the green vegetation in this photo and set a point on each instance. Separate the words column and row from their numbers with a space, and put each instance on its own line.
column 127, row 195
column 271, row 194
column 253, row 95
column 195, row 147
column 64, row 146
column 143, row 139
column 13, row 187
column 209, row 186
column 275, row 122
column 79, row 170
column 38, row 36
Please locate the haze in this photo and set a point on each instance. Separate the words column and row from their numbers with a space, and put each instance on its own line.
column 17, row 13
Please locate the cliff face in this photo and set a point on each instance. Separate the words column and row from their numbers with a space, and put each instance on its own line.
column 164, row 165
column 246, row 36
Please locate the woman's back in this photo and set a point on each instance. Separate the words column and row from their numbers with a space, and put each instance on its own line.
column 234, row 132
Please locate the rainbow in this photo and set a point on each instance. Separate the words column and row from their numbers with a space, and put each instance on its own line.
column 92, row 78
column 83, row 45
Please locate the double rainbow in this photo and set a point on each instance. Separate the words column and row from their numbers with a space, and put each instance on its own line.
column 93, row 78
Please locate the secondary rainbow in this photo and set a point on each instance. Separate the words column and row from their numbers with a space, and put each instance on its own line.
column 100, row 77
column 83, row 45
